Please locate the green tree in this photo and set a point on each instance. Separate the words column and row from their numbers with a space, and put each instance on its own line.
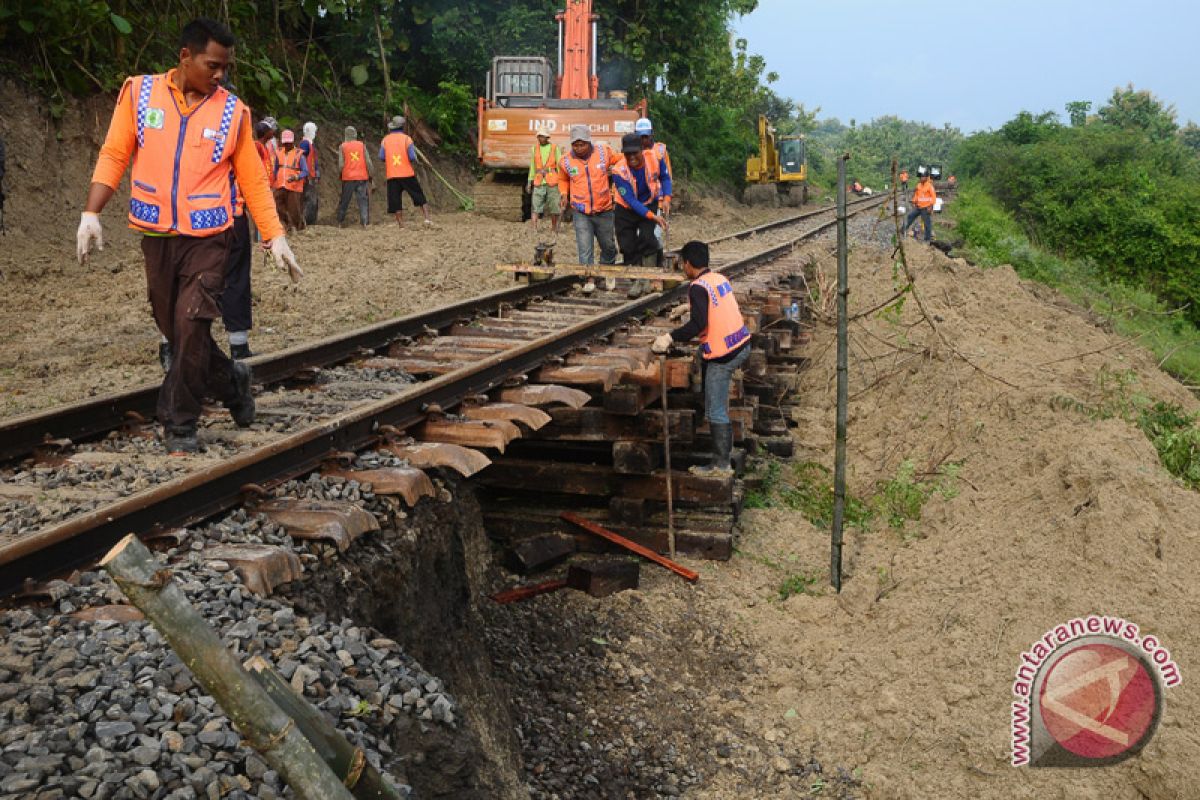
column 1077, row 111
column 1140, row 110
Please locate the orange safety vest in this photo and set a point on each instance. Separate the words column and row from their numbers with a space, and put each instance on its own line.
column 287, row 165
column 590, row 189
column 726, row 329
column 181, row 165
column 925, row 195
column 653, row 172
column 395, row 154
column 545, row 173
column 311, row 158
column 354, row 161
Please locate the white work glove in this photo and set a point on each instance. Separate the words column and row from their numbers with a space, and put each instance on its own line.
column 89, row 231
column 679, row 311
column 281, row 251
column 662, row 344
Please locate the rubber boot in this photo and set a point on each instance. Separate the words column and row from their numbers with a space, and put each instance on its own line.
column 722, row 436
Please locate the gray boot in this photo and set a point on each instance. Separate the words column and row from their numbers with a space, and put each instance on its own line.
column 722, row 436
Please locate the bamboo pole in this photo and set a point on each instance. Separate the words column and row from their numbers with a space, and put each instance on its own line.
column 843, row 385
column 265, row 727
column 347, row 761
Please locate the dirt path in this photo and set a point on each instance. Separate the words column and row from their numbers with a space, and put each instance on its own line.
column 70, row 333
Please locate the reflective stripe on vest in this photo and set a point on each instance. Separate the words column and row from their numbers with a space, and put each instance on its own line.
column 180, row 181
column 650, row 165
column 591, row 191
column 287, row 165
column 395, row 155
column 548, row 172
column 354, row 161
column 726, row 329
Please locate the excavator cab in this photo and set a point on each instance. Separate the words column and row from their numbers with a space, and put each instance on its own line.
column 793, row 163
column 518, row 81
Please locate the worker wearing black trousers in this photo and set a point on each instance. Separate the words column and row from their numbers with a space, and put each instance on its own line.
column 638, row 188
column 724, row 346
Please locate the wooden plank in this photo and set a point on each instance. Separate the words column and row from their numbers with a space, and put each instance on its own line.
column 545, row 394
column 636, row 458
column 630, row 398
column 602, row 481
column 468, row 432
column 602, row 376
column 602, row 577
column 532, row 418
column 408, row 482
column 538, row 552
column 633, row 547
column 598, row 425
column 425, row 455
column 679, row 374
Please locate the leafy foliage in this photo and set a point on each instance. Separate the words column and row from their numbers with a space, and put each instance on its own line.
column 1120, row 191
column 372, row 59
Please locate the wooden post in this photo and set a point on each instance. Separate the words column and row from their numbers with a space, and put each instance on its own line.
column 266, row 728
column 843, row 383
column 364, row 781
column 662, row 368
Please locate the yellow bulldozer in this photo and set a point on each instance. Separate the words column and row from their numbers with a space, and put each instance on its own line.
column 780, row 164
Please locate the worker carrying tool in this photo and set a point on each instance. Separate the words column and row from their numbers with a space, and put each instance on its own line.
column 543, row 181
column 288, row 174
column 637, row 181
column 398, row 153
column 584, row 176
column 924, row 198
column 724, row 346
column 185, row 135
column 355, row 170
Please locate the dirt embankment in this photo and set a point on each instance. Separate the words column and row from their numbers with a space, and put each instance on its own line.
column 72, row 332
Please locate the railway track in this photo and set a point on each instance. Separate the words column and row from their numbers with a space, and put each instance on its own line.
column 541, row 365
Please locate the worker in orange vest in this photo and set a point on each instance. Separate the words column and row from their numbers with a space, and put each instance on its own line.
column 724, row 346
column 308, row 146
column 186, row 135
column 904, row 180
column 924, row 198
column 645, row 129
column 355, row 170
column 584, row 174
column 289, row 173
column 398, row 152
column 543, row 181
column 637, row 180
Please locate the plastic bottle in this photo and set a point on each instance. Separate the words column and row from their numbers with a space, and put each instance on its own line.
column 794, row 312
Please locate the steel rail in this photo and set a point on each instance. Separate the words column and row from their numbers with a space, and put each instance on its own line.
column 97, row 416
column 196, row 496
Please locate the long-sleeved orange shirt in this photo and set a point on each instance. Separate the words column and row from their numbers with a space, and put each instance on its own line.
column 248, row 170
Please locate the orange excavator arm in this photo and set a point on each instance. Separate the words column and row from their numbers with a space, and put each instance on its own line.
column 577, row 46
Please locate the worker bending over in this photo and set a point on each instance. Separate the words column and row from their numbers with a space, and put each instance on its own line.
column 638, row 185
column 924, row 197
column 186, row 135
column 584, row 172
column 724, row 346
column 645, row 129
column 543, row 181
column 398, row 153
column 355, row 170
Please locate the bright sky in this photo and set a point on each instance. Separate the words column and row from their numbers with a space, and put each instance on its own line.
column 975, row 63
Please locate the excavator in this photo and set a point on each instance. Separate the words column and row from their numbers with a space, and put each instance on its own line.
column 780, row 164
column 524, row 93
